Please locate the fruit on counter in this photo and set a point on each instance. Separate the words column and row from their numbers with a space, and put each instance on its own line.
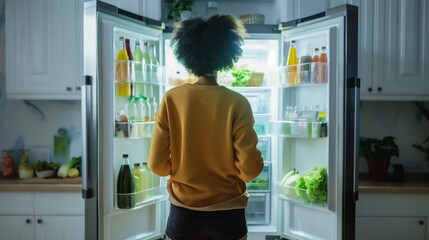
column 64, row 169
column 73, row 172
column 312, row 186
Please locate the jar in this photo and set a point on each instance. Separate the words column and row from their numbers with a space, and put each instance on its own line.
column 7, row 161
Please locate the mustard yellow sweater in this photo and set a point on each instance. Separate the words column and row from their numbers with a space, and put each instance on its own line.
column 204, row 139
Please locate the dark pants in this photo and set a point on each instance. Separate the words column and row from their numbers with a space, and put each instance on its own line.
column 186, row 224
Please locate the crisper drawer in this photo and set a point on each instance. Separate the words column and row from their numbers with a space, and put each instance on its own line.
column 261, row 182
column 258, row 209
column 259, row 99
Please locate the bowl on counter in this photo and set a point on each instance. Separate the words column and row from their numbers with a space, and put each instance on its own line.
column 45, row 173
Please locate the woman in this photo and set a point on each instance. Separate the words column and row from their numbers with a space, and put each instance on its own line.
column 204, row 138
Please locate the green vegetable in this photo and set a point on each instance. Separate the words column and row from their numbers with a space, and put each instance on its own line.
column 64, row 169
column 43, row 165
column 241, row 76
column 312, row 186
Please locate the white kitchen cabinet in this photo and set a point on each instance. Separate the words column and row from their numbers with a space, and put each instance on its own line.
column 393, row 57
column 44, row 58
column 392, row 216
column 42, row 216
column 147, row 8
column 17, row 227
column 392, row 228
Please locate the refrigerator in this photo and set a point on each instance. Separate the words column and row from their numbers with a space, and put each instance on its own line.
column 275, row 210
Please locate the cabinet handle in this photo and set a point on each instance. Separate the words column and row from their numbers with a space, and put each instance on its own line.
column 379, row 89
column 69, row 89
column 369, row 89
column 39, row 220
column 78, row 88
column 28, row 220
column 421, row 222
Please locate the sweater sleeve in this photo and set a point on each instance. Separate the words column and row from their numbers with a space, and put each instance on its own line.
column 159, row 155
column 248, row 158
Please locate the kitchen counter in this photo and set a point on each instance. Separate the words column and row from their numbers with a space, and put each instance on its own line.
column 413, row 184
column 41, row 185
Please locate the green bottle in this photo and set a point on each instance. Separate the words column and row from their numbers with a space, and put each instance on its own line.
column 125, row 187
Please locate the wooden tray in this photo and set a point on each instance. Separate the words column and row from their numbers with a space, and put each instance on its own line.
column 36, row 180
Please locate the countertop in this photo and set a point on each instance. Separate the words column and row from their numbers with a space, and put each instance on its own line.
column 412, row 184
column 41, row 185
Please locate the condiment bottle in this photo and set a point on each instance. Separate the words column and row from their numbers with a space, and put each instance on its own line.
column 304, row 68
column 123, row 85
column 292, row 63
column 323, row 66
column 146, row 62
column 125, row 187
column 154, row 63
column 314, row 66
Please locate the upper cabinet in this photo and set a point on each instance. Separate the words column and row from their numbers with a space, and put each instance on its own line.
column 43, row 49
column 394, row 57
column 393, row 52
column 147, row 8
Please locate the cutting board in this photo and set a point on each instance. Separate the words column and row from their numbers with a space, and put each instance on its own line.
column 37, row 180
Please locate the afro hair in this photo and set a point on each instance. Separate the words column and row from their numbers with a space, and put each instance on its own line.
column 207, row 46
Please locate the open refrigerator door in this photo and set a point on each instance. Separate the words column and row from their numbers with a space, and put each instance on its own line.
column 127, row 199
column 316, row 130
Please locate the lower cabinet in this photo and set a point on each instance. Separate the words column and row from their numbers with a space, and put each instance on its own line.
column 41, row 216
column 392, row 216
column 392, row 228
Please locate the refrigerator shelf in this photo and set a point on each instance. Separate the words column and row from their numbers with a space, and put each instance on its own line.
column 133, row 130
column 301, row 129
column 300, row 196
column 261, row 182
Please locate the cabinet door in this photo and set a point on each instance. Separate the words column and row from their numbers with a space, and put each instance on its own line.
column 392, row 228
column 17, row 227
column 399, row 53
column 60, row 227
column 43, row 49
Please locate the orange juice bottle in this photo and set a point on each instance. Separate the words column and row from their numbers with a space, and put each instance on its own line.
column 292, row 64
column 323, row 66
column 123, row 87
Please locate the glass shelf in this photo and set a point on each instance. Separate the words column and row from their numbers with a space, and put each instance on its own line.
column 300, row 129
column 133, row 130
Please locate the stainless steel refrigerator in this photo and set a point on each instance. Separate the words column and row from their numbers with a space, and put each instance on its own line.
column 286, row 144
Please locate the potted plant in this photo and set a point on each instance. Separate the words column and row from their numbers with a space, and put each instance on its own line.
column 179, row 9
column 377, row 153
column 422, row 148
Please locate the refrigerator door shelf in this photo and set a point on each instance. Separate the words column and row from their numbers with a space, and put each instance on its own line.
column 300, row 196
column 293, row 129
column 133, row 130
column 303, row 74
column 144, row 198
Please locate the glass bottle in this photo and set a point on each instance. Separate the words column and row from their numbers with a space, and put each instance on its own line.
column 146, row 175
column 138, row 59
column 322, row 70
column 211, row 9
column 154, row 63
column 123, row 85
column 146, row 63
column 292, row 63
column 153, row 107
column 288, row 118
column 304, row 68
column 137, row 182
column 314, row 66
column 8, row 169
column 125, row 185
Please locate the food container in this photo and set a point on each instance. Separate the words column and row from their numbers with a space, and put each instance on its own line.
column 256, row 79
column 252, row 18
column 45, row 173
